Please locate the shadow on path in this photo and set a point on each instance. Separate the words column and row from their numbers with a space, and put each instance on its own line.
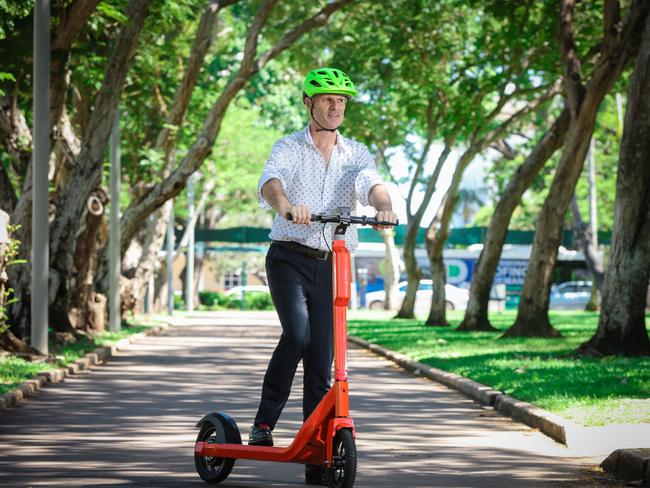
column 131, row 422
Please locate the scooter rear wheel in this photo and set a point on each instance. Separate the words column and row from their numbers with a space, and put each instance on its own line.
column 216, row 429
column 344, row 461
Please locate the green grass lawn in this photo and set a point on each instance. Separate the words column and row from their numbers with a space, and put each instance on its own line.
column 14, row 370
column 545, row 372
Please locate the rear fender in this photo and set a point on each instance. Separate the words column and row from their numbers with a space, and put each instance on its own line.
column 225, row 427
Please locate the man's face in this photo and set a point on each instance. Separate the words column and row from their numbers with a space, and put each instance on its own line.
column 329, row 109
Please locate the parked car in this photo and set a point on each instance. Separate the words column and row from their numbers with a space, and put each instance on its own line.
column 236, row 290
column 571, row 295
column 455, row 297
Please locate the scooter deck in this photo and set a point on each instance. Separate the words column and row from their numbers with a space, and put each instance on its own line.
column 308, row 454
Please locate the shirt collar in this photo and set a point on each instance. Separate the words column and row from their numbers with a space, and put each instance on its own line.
column 340, row 140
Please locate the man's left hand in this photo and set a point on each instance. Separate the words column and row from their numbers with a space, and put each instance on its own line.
column 385, row 216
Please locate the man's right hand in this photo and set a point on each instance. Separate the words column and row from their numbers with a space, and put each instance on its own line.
column 300, row 214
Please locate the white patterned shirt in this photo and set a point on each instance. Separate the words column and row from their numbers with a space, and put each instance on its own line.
column 299, row 165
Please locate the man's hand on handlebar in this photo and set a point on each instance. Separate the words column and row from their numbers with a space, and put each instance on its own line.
column 300, row 214
column 385, row 216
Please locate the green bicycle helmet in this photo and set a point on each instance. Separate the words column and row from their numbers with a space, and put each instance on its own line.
column 328, row 80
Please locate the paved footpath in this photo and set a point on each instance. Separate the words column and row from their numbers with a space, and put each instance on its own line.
column 131, row 421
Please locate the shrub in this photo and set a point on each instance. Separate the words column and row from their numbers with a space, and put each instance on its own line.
column 259, row 301
column 255, row 300
column 179, row 301
column 211, row 298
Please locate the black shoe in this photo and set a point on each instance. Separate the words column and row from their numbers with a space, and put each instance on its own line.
column 314, row 474
column 260, row 436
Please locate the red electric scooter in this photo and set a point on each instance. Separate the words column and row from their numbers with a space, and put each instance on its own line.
column 327, row 436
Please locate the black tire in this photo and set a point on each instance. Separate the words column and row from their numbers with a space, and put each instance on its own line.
column 216, row 429
column 344, row 461
column 449, row 306
column 376, row 305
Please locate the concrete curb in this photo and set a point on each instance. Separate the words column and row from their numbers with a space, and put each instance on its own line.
column 554, row 426
column 631, row 464
column 98, row 356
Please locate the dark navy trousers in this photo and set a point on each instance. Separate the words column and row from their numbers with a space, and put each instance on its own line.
column 301, row 289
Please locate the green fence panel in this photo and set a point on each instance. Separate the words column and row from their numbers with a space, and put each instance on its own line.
column 464, row 236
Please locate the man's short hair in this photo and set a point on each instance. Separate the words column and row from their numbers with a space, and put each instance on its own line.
column 304, row 95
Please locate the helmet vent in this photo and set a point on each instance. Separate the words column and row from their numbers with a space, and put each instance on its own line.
column 327, row 80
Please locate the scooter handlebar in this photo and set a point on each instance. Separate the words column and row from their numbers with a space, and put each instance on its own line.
column 354, row 219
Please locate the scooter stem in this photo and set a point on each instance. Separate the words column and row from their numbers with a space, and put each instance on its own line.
column 341, row 272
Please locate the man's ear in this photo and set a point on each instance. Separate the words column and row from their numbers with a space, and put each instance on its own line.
column 307, row 102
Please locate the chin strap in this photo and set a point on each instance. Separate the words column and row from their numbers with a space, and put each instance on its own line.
column 322, row 127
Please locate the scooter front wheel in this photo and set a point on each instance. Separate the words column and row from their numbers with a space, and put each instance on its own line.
column 216, row 428
column 344, row 461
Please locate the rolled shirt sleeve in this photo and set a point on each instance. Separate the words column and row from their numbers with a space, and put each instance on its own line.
column 367, row 176
column 277, row 166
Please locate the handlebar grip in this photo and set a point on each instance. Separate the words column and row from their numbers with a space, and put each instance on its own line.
column 384, row 222
column 314, row 217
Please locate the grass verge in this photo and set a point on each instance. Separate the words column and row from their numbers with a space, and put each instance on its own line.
column 15, row 370
column 545, row 372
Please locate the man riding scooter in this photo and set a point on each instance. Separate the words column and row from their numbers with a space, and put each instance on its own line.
column 315, row 170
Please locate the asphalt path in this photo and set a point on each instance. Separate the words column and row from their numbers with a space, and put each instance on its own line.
column 131, row 422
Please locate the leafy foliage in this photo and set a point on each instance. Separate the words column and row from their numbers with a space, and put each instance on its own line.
column 254, row 301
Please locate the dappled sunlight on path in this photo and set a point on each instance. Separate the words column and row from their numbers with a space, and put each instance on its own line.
column 131, row 422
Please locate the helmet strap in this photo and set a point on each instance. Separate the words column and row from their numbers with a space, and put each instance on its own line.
column 322, row 127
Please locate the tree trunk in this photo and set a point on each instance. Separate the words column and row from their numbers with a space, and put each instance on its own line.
column 156, row 232
column 476, row 315
column 588, row 243
column 71, row 21
column 437, row 312
column 392, row 259
column 134, row 216
column 8, row 341
column 586, row 240
column 171, row 186
column 391, row 276
column 199, row 263
column 435, row 244
column 160, row 288
column 4, row 262
column 74, row 307
column 478, row 143
column 621, row 328
column 16, row 138
column 593, row 305
column 157, row 222
column 413, row 273
column 8, row 198
column 532, row 316
column 85, row 175
column 483, row 135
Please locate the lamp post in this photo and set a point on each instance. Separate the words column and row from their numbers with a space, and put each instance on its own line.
column 114, row 261
column 41, row 159
column 170, row 259
column 189, row 268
